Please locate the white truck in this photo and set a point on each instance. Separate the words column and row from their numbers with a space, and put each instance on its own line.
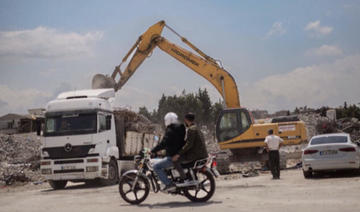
column 84, row 141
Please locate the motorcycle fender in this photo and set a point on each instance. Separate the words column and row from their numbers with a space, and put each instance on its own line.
column 213, row 171
column 134, row 171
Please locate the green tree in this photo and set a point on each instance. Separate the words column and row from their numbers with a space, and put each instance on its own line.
column 144, row 111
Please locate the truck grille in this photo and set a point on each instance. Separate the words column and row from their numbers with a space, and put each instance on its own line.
column 68, row 171
column 69, row 161
column 75, row 152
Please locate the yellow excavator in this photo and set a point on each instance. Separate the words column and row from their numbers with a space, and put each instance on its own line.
column 235, row 128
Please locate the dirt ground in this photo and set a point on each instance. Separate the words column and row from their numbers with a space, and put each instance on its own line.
column 336, row 192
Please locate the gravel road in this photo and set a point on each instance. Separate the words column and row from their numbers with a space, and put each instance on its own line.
column 339, row 192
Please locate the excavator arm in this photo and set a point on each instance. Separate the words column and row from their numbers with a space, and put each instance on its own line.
column 202, row 64
column 235, row 128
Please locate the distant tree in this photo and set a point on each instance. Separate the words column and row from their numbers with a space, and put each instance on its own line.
column 322, row 110
column 205, row 106
column 348, row 111
column 296, row 111
column 198, row 103
column 144, row 111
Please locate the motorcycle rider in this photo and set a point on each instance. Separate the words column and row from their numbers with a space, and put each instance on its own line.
column 172, row 142
column 194, row 148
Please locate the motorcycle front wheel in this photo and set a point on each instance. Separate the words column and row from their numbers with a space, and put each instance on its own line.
column 134, row 194
column 204, row 190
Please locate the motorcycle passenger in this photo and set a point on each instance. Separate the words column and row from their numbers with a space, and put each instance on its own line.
column 172, row 142
column 194, row 148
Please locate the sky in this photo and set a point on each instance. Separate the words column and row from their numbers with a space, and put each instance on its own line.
column 282, row 54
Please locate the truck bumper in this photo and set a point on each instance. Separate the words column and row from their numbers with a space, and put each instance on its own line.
column 74, row 168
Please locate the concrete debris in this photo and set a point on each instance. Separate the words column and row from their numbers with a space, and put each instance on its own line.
column 136, row 122
column 317, row 124
column 19, row 158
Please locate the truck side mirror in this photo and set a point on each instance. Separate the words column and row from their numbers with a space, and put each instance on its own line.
column 38, row 127
column 108, row 122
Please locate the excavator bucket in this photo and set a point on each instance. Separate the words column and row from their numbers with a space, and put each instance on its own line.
column 101, row 81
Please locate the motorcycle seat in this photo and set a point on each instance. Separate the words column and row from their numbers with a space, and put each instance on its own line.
column 193, row 163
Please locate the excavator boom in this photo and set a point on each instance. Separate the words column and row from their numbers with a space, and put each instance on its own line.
column 202, row 64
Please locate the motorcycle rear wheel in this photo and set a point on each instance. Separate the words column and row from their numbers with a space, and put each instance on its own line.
column 204, row 191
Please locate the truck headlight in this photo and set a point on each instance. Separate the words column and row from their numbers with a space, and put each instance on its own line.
column 92, row 169
column 46, row 171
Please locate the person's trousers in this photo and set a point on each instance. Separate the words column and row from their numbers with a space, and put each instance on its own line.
column 274, row 163
column 159, row 168
column 178, row 167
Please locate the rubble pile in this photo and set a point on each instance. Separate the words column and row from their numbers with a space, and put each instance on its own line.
column 19, row 158
column 311, row 121
column 317, row 124
column 136, row 122
column 351, row 126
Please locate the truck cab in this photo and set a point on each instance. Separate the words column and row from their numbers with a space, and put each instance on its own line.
column 79, row 138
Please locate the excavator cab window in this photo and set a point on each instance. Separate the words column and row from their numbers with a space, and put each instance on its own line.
column 231, row 123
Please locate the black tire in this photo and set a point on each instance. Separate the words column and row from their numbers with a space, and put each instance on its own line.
column 113, row 173
column 57, row 184
column 205, row 178
column 308, row 174
column 125, row 188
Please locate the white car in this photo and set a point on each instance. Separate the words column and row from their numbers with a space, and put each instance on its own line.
column 329, row 152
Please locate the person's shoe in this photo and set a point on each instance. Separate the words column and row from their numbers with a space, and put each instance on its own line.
column 169, row 188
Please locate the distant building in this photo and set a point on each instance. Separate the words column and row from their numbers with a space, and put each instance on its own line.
column 282, row 113
column 14, row 123
column 260, row 114
column 9, row 123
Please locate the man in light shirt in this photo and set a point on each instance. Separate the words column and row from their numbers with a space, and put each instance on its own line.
column 273, row 144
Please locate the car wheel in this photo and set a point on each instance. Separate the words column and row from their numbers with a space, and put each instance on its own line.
column 307, row 174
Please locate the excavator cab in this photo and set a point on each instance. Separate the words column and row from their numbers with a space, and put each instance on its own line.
column 231, row 123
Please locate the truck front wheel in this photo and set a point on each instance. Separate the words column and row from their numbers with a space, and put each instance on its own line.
column 113, row 175
column 58, row 184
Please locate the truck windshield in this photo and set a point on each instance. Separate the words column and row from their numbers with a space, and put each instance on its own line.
column 70, row 124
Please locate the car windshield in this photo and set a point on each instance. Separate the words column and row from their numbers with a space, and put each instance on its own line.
column 71, row 124
column 329, row 140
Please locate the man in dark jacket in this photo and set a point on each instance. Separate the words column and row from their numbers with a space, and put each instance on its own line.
column 194, row 148
column 172, row 142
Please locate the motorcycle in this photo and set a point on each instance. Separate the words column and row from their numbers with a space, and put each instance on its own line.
column 135, row 185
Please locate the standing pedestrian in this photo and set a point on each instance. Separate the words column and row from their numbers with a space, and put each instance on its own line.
column 273, row 144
